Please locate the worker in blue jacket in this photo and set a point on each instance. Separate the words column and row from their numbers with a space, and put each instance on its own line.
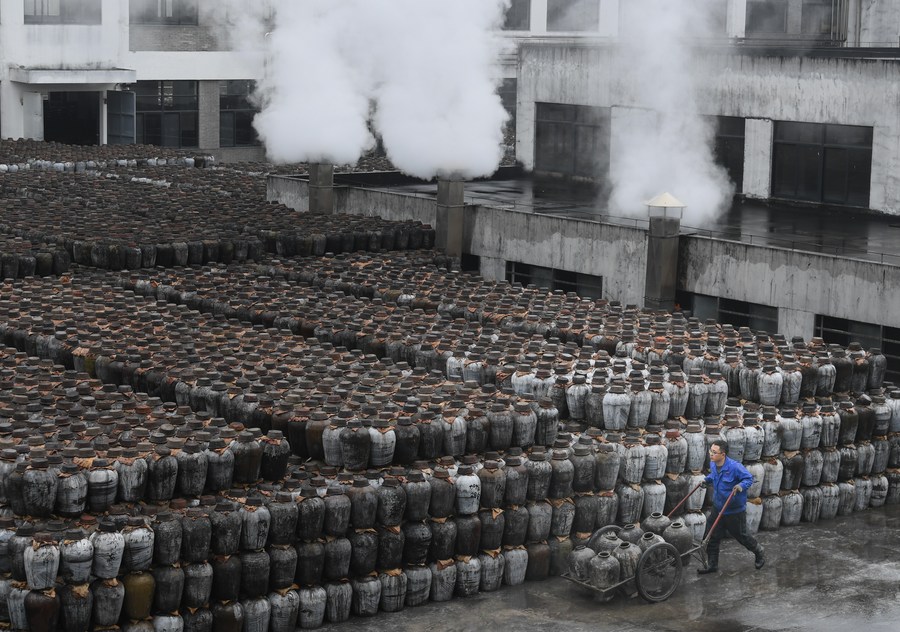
column 724, row 476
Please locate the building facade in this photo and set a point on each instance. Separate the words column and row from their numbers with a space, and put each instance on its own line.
column 803, row 94
column 121, row 71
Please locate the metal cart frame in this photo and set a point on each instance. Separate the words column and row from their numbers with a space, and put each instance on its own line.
column 660, row 567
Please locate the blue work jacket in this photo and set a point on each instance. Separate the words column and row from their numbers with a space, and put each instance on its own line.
column 723, row 479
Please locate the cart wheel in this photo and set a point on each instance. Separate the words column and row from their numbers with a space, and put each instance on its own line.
column 659, row 572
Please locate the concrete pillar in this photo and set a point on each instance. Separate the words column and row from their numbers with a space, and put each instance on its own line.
column 493, row 269
column 538, row 17
column 794, row 16
column 526, row 121
column 104, row 118
column 208, row 124
column 321, row 188
column 609, row 18
column 12, row 124
column 32, row 115
column 737, row 18
column 795, row 322
column 450, row 216
column 662, row 260
column 853, row 25
column 758, row 138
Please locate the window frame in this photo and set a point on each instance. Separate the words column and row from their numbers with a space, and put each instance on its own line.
column 757, row 316
column 169, row 106
column 78, row 13
column 518, row 16
column 804, row 154
column 241, row 107
column 730, row 142
column 554, row 279
column 562, row 17
column 754, row 11
column 834, row 330
column 579, row 133
column 184, row 12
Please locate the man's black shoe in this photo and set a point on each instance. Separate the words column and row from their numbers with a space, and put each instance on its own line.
column 707, row 570
column 760, row 560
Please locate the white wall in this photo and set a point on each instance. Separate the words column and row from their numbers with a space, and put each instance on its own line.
column 63, row 46
column 160, row 65
column 874, row 23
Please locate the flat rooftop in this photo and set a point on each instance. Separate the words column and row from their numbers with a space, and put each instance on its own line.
column 847, row 232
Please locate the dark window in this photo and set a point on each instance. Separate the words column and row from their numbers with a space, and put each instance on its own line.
column 817, row 17
column 766, row 16
column 744, row 314
column 518, row 16
column 507, row 92
column 167, row 113
column 890, row 347
column 586, row 285
column 573, row 15
column 236, row 114
column 842, row 331
column 822, row 163
column 730, row 148
column 715, row 14
column 163, row 11
column 470, row 263
column 62, row 11
column 737, row 313
column 572, row 140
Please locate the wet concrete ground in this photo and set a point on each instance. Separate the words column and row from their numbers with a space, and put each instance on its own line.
column 846, row 232
column 837, row 576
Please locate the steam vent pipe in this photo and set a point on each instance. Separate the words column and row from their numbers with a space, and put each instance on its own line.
column 662, row 252
column 450, row 216
column 321, row 188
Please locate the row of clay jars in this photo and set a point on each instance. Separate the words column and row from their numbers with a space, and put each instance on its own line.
column 732, row 437
column 761, row 376
column 215, row 221
column 38, row 486
column 28, row 150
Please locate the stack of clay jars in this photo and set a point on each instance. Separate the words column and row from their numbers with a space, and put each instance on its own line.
column 147, row 222
column 533, row 421
column 20, row 258
column 25, row 154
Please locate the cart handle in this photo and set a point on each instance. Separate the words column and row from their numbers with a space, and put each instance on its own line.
column 719, row 517
column 684, row 500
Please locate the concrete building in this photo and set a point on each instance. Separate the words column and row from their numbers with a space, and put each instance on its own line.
column 803, row 99
column 122, row 71
column 804, row 95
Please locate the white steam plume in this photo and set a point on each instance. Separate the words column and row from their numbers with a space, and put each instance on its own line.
column 437, row 105
column 314, row 99
column 658, row 65
column 428, row 69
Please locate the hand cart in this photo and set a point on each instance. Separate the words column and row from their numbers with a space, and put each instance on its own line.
column 660, row 567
